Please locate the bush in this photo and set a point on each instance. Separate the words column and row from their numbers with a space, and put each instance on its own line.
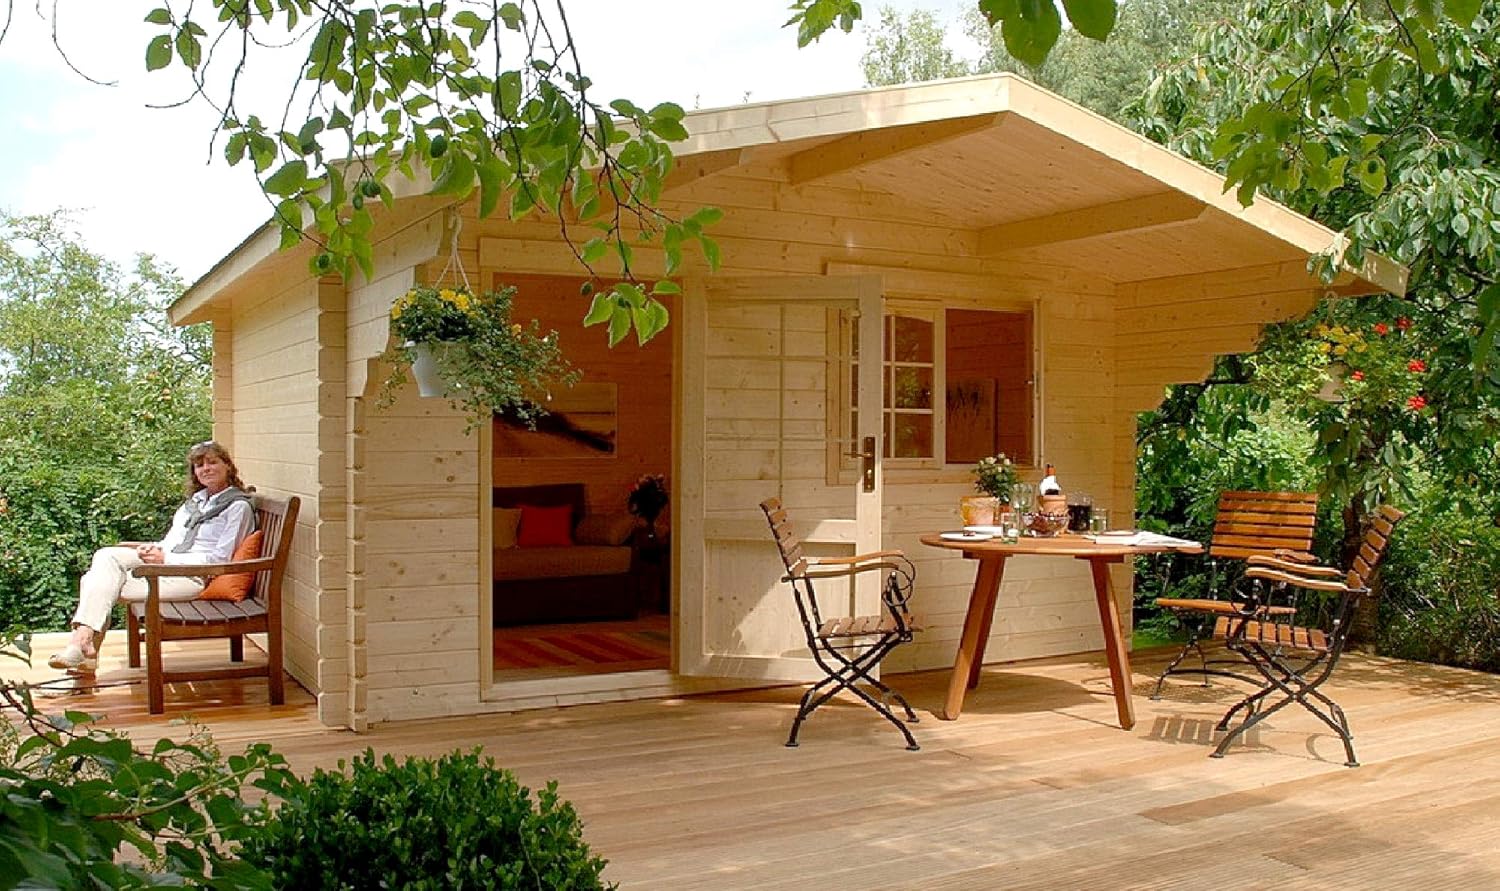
column 84, row 808
column 457, row 822
column 1441, row 589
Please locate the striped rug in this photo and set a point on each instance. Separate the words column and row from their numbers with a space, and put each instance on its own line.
column 580, row 647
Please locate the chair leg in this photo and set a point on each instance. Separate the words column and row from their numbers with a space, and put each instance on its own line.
column 1295, row 687
column 237, row 648
column 845, row 676
column 1172, row 666
column 132, row 638
column 155, row 692
column 274, row 676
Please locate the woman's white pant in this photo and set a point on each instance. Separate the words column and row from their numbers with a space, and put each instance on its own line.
column 109, row 580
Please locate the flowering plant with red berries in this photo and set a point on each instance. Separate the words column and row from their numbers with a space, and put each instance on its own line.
column 1373, row 365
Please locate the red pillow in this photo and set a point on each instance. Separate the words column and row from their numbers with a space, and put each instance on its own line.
column 235, row 585
column 545, row 526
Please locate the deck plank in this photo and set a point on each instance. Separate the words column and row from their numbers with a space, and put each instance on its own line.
column 1033, row 788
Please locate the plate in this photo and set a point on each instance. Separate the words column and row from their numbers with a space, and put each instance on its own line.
column 991, row 531
column 966, row 536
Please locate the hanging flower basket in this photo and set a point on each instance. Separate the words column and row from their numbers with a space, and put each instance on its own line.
column 465, row 348
column 425, row 367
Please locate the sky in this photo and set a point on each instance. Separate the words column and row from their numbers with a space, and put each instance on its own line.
column 142, row 179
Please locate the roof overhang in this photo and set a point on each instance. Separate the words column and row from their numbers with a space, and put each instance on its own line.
column 1035, row 177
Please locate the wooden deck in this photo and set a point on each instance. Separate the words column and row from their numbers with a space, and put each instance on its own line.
column 1034, row 787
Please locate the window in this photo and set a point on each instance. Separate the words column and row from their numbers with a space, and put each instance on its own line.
column 988, row 385
column 957, row 385
column 908, row 369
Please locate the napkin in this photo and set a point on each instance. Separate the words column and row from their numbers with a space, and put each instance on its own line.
column 1148, row 539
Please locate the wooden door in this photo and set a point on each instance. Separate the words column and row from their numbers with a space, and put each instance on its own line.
column 770, row 390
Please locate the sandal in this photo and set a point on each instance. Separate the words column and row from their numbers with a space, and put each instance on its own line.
column 71, row 658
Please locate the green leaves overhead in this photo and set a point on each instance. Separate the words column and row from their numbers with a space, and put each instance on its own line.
column 478, row 98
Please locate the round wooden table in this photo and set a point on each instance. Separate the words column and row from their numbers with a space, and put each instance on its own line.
column 992, row 555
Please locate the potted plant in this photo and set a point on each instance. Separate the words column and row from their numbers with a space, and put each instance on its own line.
column 994, row 477
column 465, row 347
column 647, row 499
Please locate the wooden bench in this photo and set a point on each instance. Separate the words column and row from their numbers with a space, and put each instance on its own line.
column 260, row 613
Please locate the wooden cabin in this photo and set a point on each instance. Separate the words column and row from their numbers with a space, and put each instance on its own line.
column 1035, row 276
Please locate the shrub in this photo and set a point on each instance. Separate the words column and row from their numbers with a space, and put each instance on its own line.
column 84, row 808
column 457, row 822
column 1441, row 589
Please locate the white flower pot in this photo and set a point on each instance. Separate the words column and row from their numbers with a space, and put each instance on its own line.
column 425, row 370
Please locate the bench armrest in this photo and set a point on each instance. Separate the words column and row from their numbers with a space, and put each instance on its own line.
column 201, row 570
column 1294, row 567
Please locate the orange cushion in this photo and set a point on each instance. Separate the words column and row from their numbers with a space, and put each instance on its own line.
column 235, row 585
column 545, row 526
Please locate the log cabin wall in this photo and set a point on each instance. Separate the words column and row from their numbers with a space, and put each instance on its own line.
column 280, row 360
column 642, row 376
column 412, row 604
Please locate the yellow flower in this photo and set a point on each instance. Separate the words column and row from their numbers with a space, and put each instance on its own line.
column 515, row 329
column 1324, row 347
column 447, row 295
column 1340, row 350
column 1360, row 347
column 1321, row 330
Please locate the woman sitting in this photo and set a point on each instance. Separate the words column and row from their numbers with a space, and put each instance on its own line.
column 206, row 529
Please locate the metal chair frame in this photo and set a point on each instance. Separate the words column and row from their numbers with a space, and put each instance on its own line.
column 1247, row 524
column 1295, row 660
column 847, row 649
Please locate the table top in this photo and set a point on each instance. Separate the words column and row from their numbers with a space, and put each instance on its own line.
column 1066, row 545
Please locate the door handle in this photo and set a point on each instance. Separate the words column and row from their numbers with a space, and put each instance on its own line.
column 866, row 457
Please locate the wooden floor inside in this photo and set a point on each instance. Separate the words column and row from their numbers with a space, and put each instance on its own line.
column 1034, row 787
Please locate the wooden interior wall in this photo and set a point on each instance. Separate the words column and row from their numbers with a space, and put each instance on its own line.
column 642, row 376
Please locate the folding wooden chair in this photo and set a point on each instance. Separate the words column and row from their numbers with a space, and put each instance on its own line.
column 1294, row 659
column 1247, row 524
column 849, row 648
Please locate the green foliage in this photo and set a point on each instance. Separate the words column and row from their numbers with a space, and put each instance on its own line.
column 98, row 399
column 494, row 365
column 1103, row 76
column 1381, row 129
column 457, row 822
column 84, row 808
column 1440, row 601
column 483, row 99
column 908, row 49
column 1331, row 110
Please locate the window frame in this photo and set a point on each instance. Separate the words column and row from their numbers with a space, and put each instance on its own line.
column 937, row 468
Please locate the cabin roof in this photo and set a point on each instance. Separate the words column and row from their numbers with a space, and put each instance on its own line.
column 1037, row 178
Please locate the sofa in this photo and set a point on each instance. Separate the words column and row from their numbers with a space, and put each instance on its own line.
column 555, row 562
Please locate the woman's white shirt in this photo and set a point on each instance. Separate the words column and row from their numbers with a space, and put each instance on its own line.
column 217, row 536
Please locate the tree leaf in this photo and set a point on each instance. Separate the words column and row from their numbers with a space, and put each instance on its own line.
column 601, row 310
column 1033, row 31
column 158, row 52
column 288, row 180
column 1092, row 18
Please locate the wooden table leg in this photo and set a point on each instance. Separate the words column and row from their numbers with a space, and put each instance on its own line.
column 976, row 632
column 1114, row 641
